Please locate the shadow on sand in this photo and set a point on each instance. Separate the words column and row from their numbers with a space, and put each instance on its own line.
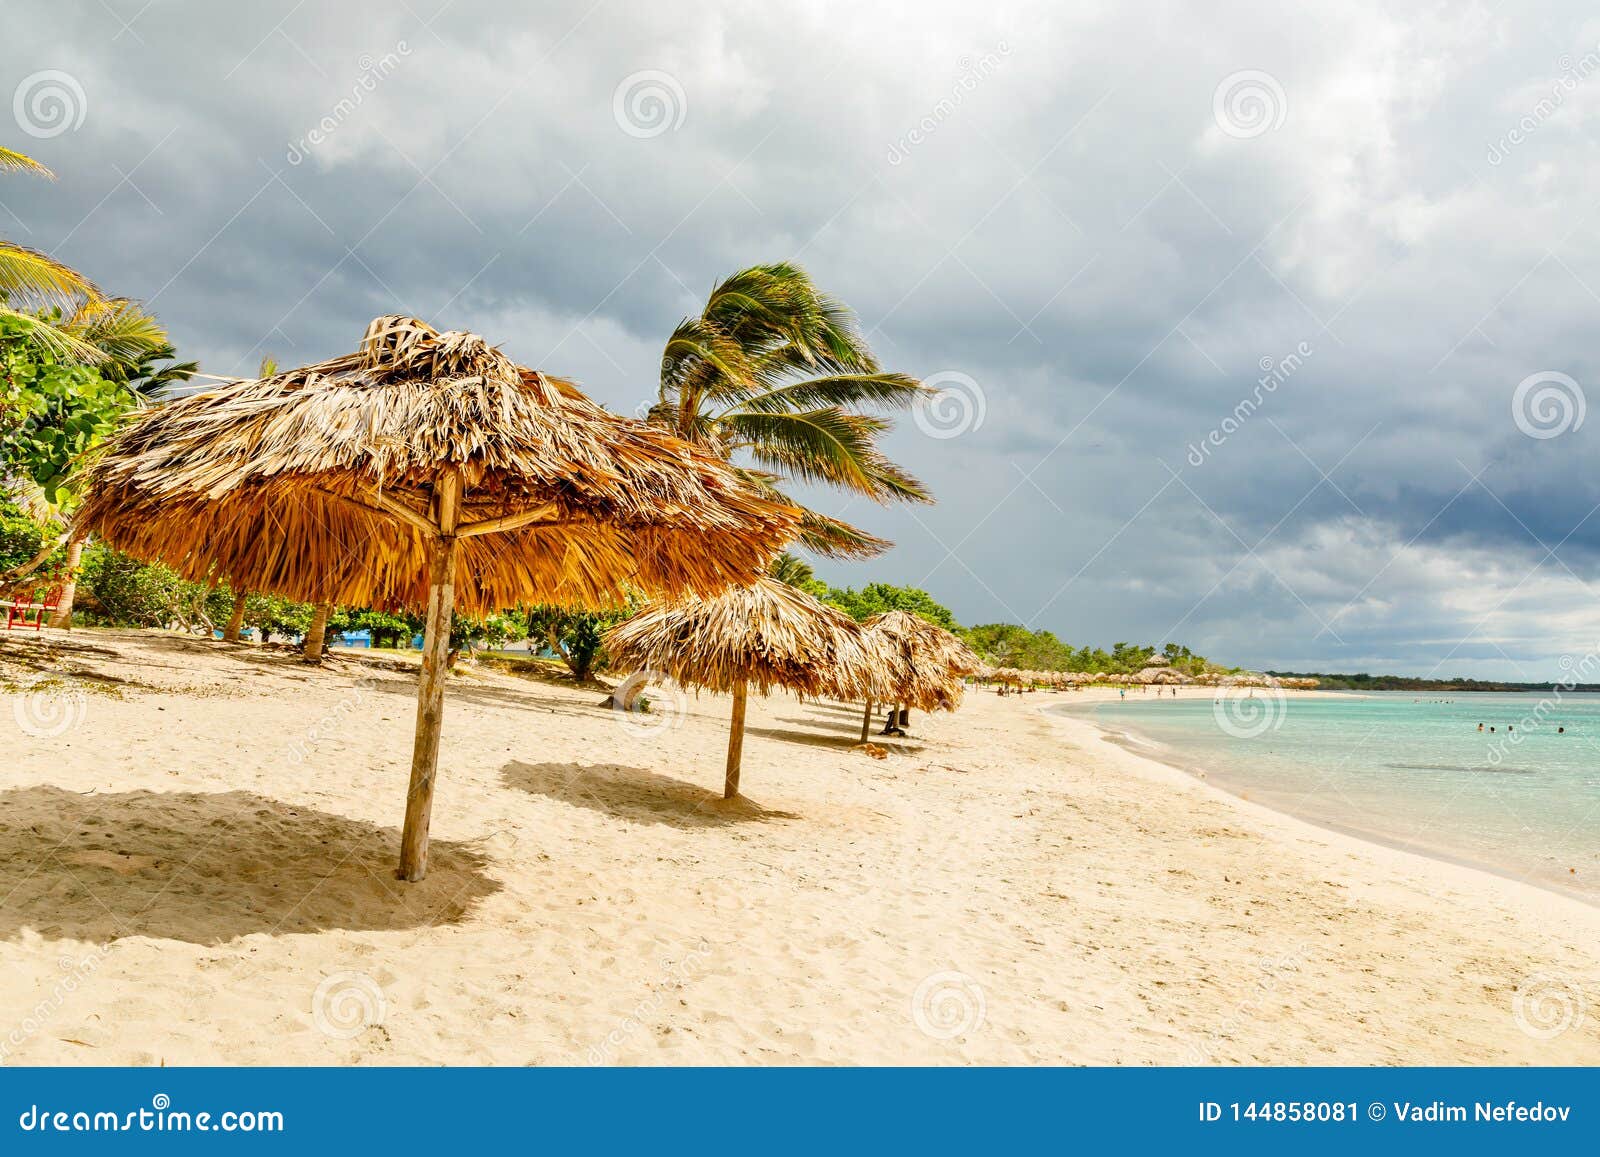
column 637, row 795
column 840, row 741
column 210, row 867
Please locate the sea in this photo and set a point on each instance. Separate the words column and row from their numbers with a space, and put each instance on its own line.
column 1413, row 771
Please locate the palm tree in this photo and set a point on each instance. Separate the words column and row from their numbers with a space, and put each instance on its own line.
column 776, row 371
column 786, row 568
column 65, row 313
column 31, row 282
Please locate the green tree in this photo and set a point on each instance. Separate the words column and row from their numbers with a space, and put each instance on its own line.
column 388, row 628
column 575, row 635
column 51, row 411
column 775, row 373
column 875, row 598
column 61, row 311
column 125, row 591
column 786, row 568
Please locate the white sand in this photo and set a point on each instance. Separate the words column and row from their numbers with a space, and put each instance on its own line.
column 178, row 878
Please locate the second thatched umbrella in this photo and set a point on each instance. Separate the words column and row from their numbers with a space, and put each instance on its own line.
column 766, row 635
column 921, row 665
column 426, row 470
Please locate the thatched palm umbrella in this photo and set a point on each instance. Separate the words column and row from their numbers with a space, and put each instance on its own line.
column 766, row 635
column 921, row 666
column 426, row 470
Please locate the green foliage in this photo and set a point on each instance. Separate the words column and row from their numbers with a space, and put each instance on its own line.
column 388, row 628
column 494, row 630
column 120, row 589
column 775, row 373
column 20, row 540
column 875, row 598
column 271, row 615
column 51, row 410
column 786, row 568
column 1012, row 645
column 575, row 636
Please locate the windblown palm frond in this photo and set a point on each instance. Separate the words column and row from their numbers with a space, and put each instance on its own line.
column 829, row 446
column 15, row 162
column 778, row 371
column 786, row 568
column 32, row 283
column 58, row 341
column 119, row 328
column 818, row 533
column 28, row 276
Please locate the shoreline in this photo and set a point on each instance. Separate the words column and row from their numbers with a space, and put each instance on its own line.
column 1160, row 755
column 1004, row 887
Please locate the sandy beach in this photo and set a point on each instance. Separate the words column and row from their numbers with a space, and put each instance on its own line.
column 198, row 841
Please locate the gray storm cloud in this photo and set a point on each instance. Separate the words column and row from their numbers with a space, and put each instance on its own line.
column 1113, row 222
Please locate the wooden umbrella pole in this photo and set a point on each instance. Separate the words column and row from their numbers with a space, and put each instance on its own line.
column 730, row 785
column 430, row 687
column 866, row 722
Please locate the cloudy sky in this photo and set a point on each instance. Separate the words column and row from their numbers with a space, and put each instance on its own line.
column 1262, row 328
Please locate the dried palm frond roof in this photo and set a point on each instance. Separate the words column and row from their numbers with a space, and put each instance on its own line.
column 922, row 665
column 323, row 483
column 767, row 635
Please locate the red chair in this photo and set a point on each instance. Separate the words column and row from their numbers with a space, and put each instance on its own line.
column 25, row 603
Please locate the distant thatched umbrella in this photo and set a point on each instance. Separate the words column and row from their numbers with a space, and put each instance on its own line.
column 426, row 470
column 766, row 635
column 920, row 665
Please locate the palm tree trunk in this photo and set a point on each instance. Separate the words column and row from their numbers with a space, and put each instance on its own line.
column 730, row 783
column 318, row 634
column 230, row 633
column 69, row 587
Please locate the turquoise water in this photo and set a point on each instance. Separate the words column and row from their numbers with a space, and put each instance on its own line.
column 1404, row 769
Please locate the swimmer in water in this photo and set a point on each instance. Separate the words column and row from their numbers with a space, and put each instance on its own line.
column 1480, row 727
